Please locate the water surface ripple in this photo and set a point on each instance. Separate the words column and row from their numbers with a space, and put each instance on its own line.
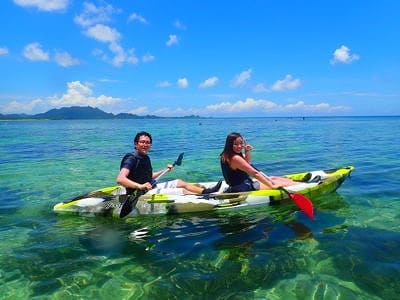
column 351, row 250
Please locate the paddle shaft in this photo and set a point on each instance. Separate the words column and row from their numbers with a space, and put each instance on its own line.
column 130, row 203
column 163, row 172
column 300, row 200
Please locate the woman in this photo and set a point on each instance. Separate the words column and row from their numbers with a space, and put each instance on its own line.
column 238, row 172
column 136, row 172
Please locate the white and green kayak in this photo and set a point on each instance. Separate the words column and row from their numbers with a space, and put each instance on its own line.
column 109, row 200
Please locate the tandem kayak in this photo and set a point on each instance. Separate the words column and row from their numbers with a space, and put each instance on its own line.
column 109, row 200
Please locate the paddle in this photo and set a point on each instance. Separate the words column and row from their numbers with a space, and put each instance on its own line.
column 131, row 201
column 104, row 192
column 300, row 200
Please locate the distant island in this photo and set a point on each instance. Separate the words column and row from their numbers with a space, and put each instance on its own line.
column 79, row 113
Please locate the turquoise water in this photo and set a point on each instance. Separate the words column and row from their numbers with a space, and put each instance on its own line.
column 350, row 251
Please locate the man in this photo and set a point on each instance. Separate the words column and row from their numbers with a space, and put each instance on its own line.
column 136, row 172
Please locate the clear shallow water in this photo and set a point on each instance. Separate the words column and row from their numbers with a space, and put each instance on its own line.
column 351, row 250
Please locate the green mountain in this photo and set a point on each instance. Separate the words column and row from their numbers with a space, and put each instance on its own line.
column 75, row 113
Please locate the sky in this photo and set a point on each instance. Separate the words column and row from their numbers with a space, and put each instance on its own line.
column 214, row 58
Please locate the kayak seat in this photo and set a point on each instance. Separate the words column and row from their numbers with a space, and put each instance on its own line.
column 317, row 178
column 309, row 178
column 306, row 178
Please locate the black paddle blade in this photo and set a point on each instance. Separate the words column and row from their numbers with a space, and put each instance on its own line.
column 129, row 204
column 126, row 208
column 88, row 195
column 178, row 161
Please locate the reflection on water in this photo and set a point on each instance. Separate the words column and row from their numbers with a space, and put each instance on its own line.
column 250, row 252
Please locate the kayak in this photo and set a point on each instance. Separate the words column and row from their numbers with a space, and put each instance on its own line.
column 108, row 201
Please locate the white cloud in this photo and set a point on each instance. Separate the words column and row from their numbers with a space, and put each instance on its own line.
column 210, row 82
column 64, row 59
column 241, row 106
column 81, row 95
column 183, row 83
column 342, row 55
column 93, row 15
column 100, row 53
column 241, row 79
column 93, row 19
column 106, row 34
column 136, row 17
column 178, row 24
column 251, row 105
column 108, row 80
column 260, row 88
column 148, row 57
column 122, row 56
column 320, row 107
column 172, row 40
column 173, row 112
column 3, row 50
column 34, row 52
column 103, row 33
column 16, row 107
column 77, row 94
column 45, row 5
column 163, row 84
column 140, row 110
column 286, row 84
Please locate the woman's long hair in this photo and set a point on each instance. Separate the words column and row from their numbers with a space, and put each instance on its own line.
column 228, row 152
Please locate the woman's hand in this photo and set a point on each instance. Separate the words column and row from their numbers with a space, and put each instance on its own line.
column 247, row 154
column 277, row 186
column 248, row 147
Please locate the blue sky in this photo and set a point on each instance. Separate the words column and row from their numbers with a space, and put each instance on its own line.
column 208, row 58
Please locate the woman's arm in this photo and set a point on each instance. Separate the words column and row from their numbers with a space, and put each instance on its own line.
column 241, row 163
column 247, row 149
